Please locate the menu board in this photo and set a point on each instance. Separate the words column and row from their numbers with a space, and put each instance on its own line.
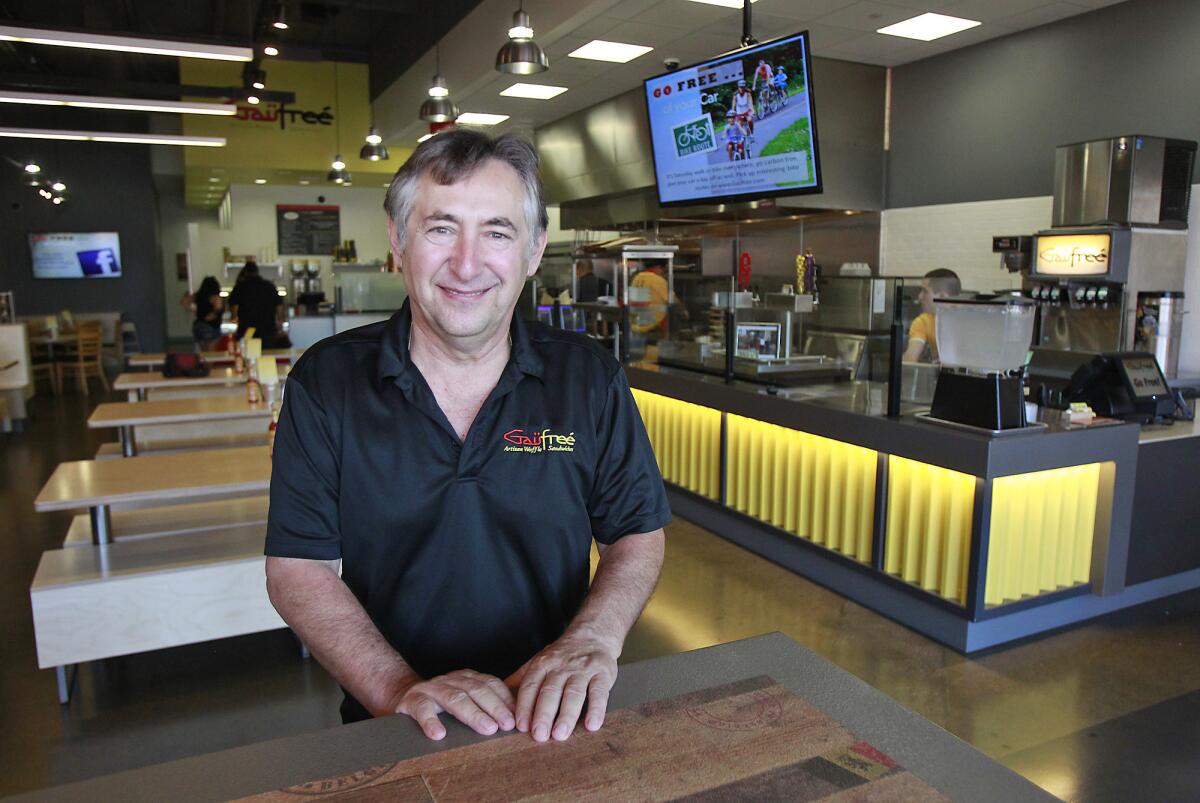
column 737, row 126
column 308, row 230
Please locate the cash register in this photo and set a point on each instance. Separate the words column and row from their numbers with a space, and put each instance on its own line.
column 1128, row 385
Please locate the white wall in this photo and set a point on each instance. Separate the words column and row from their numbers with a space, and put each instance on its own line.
column 917, row 239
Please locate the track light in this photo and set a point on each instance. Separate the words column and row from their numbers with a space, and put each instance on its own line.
column 33, row 167
column 58, row 186
column 279, row 18
column 270, row 44
column 258, row 79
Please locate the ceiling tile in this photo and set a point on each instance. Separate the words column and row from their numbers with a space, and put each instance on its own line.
column 875, row 48
column 596, row 28
column 1095, row 3
column 990, row 10
column 801, row 10
column 925, row 5
column 1040, row 16
column 825, row 36
column 649, row 35
column 628, row 9
column 696, row 15
column 866, row 16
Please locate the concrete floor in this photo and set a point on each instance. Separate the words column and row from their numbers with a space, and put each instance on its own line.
column 1105, row 711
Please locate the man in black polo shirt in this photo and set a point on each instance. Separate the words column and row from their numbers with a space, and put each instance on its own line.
column 459, row 463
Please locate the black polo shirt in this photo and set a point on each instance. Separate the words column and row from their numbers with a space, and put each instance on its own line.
column 466, row 555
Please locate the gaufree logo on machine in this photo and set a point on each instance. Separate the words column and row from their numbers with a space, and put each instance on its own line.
column 694, row 136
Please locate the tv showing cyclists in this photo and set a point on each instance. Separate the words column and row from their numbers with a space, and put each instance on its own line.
column 737, row 127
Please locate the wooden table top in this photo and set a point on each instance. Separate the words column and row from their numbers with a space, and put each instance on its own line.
column 708, row 715
column 156, row 478
column 151, row 358
column 146, row 380
column 175, row 411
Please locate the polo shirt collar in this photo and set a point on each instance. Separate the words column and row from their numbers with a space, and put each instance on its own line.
column 394, row 358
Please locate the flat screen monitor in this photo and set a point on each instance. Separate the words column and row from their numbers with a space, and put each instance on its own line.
column 76, row 255
column 758, row 341
column 736, row 127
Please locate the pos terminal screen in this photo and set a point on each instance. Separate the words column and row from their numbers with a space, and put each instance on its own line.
column 1142, row 376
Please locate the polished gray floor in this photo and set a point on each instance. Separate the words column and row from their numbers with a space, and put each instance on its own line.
column 1105, row 711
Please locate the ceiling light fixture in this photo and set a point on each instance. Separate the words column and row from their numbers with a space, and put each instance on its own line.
column 258, row 79
column 305, row 182
column 480, row 118
column 520, row 55
column 373, row 149
column 270, row 44
column 260, row 181
column 533, row 91
column 618, row 52
column 252, row 98
column 58, row 186
column 279, row 18
column 927, row 27
column 124, row 44
column 438, row 107
column 723, row 3
column 124, row 104
column 113, row 136
column 33, row 167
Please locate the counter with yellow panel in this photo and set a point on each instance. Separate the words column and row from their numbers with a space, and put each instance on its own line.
column 972, row 539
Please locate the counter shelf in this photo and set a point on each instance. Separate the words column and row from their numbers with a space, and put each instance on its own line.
column 970, row 539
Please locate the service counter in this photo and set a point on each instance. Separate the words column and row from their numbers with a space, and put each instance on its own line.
column 974, row 540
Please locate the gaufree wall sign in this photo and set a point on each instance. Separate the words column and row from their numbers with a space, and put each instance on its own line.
column 308, row 230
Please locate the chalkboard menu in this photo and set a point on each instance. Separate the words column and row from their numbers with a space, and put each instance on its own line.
column 308, row 230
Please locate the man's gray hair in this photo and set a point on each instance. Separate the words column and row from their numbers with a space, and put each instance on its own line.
column 452, row 156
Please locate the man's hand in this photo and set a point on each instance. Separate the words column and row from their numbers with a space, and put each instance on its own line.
column 554, row 683
column 481, row 702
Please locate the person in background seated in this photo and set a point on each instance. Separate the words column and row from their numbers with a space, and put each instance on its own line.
column 209, row 308
column 255, row 302
column 922, row 335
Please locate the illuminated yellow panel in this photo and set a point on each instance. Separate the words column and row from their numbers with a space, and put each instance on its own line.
column 819, row 489
column 1041, row 532
column 686, row 439
column 928, row 537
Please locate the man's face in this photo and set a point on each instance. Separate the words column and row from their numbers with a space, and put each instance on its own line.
column 926, row 297
column 467, row 252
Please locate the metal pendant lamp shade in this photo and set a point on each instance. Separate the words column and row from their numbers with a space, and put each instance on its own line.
column 374, row 150
column 439, row 110
column 520, row 55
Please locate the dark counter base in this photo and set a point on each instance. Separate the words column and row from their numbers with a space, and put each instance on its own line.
column 927, row 614
column 1166, row 511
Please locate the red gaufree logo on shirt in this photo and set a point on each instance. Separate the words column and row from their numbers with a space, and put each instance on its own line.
column 545, row 440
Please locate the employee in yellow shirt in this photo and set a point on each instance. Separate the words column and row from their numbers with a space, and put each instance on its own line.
column 653, row 317
column 922, row 334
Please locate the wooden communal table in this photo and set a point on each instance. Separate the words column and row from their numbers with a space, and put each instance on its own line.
column 759, row 719
column 136, row 383
column 128, row 415
column 165, row 479
column 151, row 359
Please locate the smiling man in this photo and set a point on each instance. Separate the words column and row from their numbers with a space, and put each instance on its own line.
column 459, row 462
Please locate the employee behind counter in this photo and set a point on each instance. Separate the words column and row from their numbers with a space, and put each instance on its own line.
column 922, row 334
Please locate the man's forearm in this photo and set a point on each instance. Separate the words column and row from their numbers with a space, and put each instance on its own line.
column 625, row 577
column 328, row 618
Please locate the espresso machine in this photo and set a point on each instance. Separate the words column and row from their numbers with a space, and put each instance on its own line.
column 1117, row 247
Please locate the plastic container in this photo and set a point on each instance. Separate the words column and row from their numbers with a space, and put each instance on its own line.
column 988, row 336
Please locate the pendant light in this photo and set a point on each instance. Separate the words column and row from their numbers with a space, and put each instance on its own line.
column 438, row 108
column 337, row 172
column 373, row 150
column 520, row 55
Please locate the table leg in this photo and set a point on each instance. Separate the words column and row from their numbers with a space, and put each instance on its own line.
column 128, row 442
column 64, row 683
column 101, row 517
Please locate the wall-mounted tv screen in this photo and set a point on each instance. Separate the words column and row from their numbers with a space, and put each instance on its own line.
column 736, row 127
column 76, row 255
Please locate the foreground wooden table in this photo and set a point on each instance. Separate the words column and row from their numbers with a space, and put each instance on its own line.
column 165, row 479
column 153, row 359
column 127, row 415
column 656, row 744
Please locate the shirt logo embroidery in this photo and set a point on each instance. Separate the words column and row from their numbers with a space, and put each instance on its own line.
column 518, row 440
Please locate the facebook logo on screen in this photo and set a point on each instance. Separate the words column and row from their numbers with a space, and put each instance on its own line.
column 101, row 262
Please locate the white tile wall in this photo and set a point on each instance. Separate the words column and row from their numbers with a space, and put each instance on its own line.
column 917, row 239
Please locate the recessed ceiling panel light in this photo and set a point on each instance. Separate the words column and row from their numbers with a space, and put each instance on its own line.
column 600, row 50
column 479, row 118
column 112, row 136
column 928, row 27
column 723, row 3
column 305, row 181
column 127, row 104
column 534, row 91
column 125, row 44
column 260, row 181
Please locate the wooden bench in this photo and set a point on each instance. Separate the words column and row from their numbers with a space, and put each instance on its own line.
column 126, row 598
column 153, row 522
column 112, row 449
